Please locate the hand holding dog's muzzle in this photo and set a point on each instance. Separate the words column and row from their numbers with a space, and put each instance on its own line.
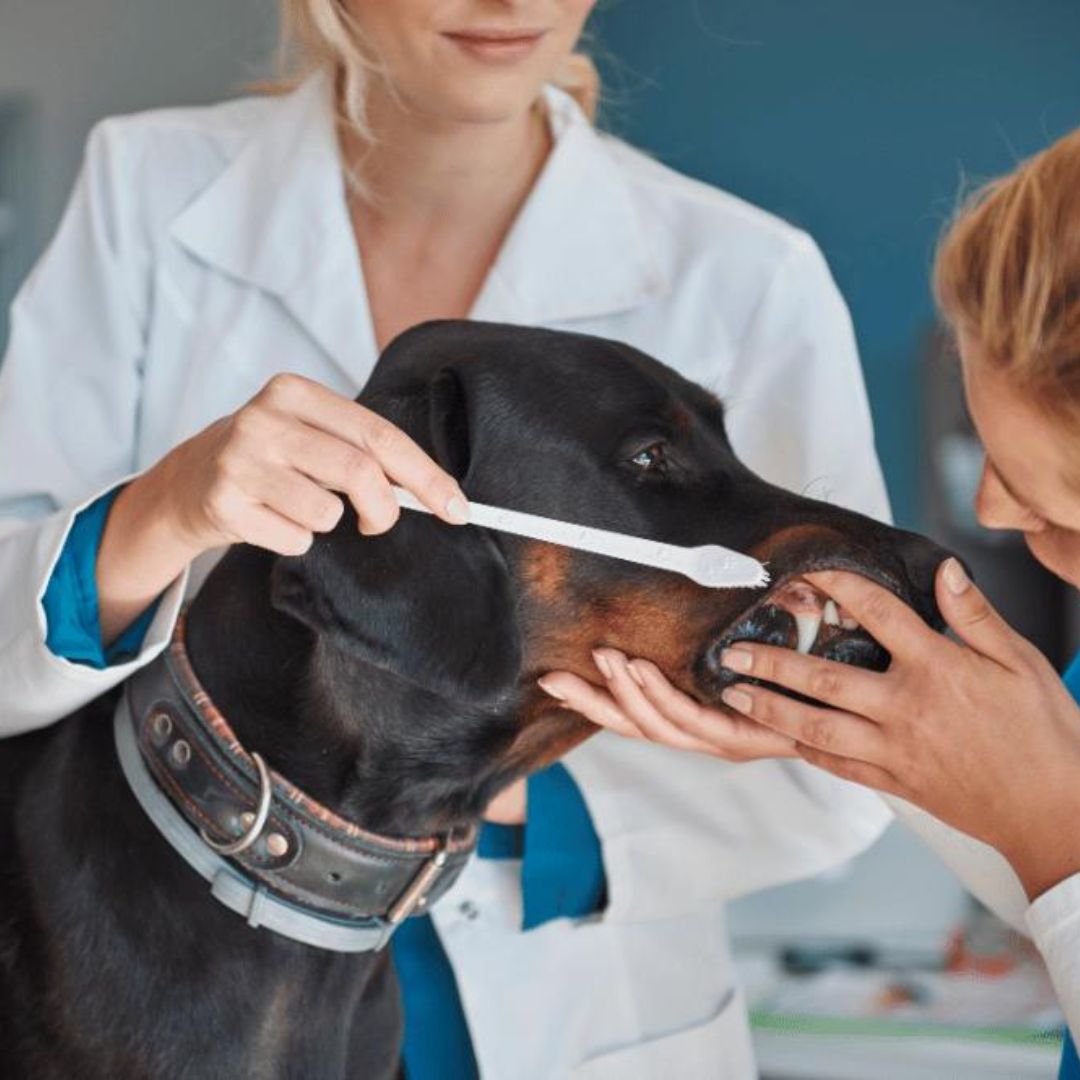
column 981, row 733
column 640, row 703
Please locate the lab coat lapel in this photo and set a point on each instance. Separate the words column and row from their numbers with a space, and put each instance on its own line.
column 277, row 218
column 578, row 248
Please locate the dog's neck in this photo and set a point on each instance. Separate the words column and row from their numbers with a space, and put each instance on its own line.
column 387, row 755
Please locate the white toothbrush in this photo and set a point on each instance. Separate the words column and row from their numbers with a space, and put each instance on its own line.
column 710, row 565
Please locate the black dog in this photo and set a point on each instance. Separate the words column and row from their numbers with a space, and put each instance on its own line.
column 392, row 680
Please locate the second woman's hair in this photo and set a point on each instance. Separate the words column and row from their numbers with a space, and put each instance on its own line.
column 1008, row 274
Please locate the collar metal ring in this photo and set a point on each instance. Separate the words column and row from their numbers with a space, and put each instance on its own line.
column 246, row 839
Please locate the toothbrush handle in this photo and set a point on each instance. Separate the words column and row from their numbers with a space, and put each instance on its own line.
column 709, row 565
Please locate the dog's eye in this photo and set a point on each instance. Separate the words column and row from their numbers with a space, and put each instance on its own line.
column 651, row 459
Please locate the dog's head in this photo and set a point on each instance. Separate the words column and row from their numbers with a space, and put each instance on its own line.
column 595, row 432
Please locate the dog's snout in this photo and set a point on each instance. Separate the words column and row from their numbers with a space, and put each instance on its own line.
column 920, row 559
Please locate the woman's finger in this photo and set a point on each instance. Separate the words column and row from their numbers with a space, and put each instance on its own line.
column 404, row 461
column 729, row 736
column 265, row 528
column 297, row 498
column 879, row 612
column 340, row 466
column 593, row 703
column 858, row 772
column 836, row 732
column 628, row 695
column 973, row 618
column 397, row 454
column 840, row 685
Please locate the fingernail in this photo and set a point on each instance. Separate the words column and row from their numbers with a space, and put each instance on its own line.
column 635, row 674
column 457, row 510
column 603, row 663
column 737, row 659
column 956, row 581
column 739, row 700
column 550, row 690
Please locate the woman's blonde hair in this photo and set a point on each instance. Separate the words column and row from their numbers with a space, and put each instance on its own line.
column 1008, row 274
column 322, row 34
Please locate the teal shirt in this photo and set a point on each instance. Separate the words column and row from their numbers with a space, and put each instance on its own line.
column 562, row 872
column 562, row 876
column 1070, row 1063
column 71, row 601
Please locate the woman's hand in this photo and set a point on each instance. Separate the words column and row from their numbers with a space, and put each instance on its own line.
column 640, row 703
column 266, row 475
column 981, row 734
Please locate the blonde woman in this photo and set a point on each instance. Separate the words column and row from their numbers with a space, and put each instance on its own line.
column 181, row 374
column 982, row 733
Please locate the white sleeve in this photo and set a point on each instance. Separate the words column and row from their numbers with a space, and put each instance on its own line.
column 69, row 394
column 1054, row 922
column 985, row 872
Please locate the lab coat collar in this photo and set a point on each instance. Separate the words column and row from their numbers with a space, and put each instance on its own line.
column 578, row 248
column 277, row 218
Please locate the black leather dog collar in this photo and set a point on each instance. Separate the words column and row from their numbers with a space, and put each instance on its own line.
column 285, row 848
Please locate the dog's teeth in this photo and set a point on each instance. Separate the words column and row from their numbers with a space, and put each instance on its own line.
column 832, row 615
column 849, row 623
column 808, row 625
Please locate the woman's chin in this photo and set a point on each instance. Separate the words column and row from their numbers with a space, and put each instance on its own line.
column 486, row 96
column 484, row 106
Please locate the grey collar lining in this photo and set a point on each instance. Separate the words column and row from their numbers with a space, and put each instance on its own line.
column 228, row 885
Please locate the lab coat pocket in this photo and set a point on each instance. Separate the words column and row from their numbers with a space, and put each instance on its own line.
column 718, row 1049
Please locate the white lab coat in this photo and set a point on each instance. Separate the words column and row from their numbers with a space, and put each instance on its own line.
column 206, row 249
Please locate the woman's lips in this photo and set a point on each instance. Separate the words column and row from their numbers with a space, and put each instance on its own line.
column 496, row 46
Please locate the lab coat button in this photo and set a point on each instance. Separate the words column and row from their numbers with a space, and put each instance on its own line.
column 468, row 909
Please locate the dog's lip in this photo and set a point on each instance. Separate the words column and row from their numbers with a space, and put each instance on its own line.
column 779, row 627
column 813, row 566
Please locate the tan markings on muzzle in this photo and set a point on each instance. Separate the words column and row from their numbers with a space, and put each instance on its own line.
column 666, row 621
column 544, row 569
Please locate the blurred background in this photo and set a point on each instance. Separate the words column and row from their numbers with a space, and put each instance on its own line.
column 860, row 122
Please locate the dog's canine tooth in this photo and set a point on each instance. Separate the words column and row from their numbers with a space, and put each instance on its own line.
column 809, row 625
column 832, row 615
column 848, row 623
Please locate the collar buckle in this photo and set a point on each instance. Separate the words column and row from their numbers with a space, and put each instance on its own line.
column 415, row 896
column 257, row 820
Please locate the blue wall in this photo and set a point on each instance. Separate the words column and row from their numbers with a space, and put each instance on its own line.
column 856, row 119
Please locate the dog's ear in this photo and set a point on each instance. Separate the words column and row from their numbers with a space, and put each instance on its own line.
column 427, row 601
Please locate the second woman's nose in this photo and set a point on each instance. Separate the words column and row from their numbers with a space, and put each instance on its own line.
column 997, row 508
